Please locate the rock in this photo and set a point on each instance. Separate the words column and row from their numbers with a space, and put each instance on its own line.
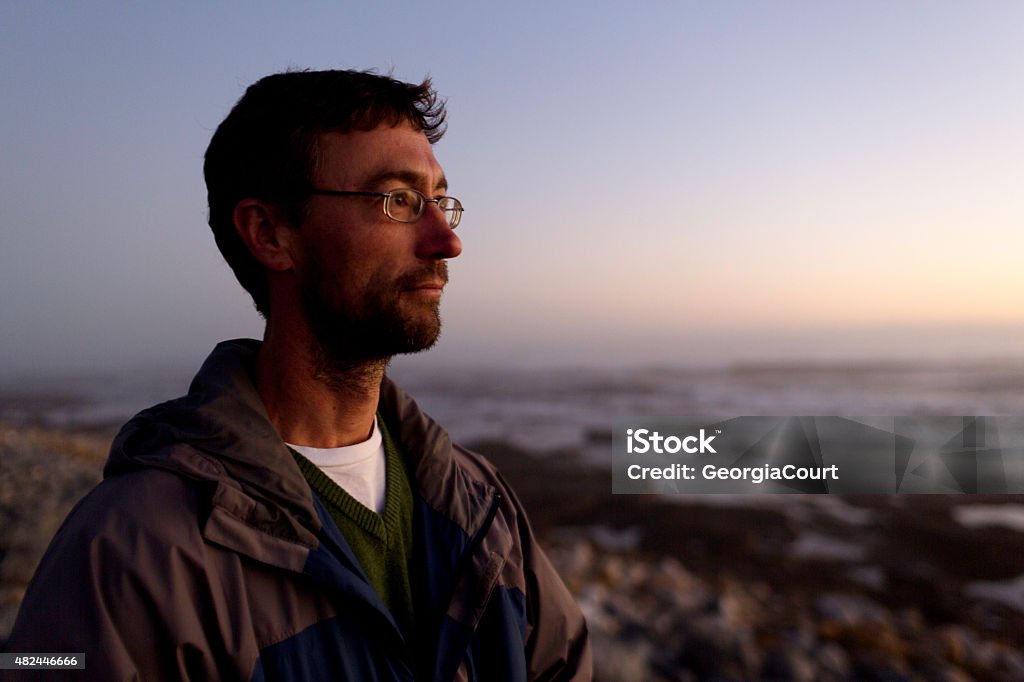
column 959, row 644
column 832, row 660
column 574, row 561
column 872, row 577
column 617, row 660
column 947, row 673
column 1010, row 663
column 613, row 571
column 671, row 584
column 850, row 610
column 801, row 638
column 712, row 647
column 881, row 669
column 627, row 610
column 788, row 664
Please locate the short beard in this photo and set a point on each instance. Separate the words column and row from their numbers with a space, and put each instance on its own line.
column 350, row 343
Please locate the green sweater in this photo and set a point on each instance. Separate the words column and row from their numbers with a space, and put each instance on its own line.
column 381, row 542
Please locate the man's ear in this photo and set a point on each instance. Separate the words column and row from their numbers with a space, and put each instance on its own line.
column 265, row 232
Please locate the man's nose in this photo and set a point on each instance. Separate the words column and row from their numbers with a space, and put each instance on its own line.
column 436, row 238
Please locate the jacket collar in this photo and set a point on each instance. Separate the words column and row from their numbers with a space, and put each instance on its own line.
column 220, row 433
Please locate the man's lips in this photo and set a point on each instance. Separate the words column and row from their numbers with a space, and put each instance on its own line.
column 426, row 288
column 426, row 281
column 428, row 285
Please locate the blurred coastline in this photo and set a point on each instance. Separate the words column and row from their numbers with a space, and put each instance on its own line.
column 724, row 587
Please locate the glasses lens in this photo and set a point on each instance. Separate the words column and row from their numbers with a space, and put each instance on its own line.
column 405, row 205
column 452, row 208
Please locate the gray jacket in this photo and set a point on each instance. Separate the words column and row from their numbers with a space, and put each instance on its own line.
column 205, row 555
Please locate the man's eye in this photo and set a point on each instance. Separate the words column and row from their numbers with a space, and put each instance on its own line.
column 402, row 199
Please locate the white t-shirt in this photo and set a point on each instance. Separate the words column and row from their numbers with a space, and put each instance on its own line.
column 359, row 469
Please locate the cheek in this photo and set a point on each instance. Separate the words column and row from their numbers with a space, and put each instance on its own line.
column 373, row 267
column 361, row 268
column 362, row 284
column 379, row 285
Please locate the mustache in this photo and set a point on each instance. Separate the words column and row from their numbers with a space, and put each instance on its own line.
column 429, row 273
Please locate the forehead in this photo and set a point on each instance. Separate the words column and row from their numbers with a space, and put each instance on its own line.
column 351, row 160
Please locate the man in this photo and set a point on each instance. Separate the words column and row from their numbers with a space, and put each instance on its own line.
column 296, row 516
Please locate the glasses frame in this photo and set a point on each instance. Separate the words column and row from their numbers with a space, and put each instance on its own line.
column 452, row 213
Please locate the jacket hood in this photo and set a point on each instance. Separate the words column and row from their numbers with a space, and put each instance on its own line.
column 220, row 432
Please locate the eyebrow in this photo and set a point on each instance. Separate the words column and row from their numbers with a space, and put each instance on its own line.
column 411, row 178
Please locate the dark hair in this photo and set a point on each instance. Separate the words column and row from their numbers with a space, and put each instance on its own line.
column 267, row 147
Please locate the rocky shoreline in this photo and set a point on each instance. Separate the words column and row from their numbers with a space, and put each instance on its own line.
column 43, row 473
column 780, row 587
column 804, row 588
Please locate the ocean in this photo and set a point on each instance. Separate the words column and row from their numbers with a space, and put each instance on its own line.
column 544, row 409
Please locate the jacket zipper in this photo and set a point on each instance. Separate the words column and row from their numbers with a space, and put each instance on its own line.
column 478, row 538
column 467, row 557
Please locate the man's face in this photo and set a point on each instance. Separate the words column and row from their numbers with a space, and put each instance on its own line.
column 371, row 286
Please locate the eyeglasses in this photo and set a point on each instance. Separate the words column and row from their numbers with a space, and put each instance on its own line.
column 405, row 205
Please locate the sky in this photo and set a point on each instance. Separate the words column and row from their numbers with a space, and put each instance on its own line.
column 673, row 182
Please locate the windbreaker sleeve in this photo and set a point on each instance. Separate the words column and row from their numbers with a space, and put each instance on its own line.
column 127, row 589
column 558, row 643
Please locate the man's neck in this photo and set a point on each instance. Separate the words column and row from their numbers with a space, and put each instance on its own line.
column 313, row 402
